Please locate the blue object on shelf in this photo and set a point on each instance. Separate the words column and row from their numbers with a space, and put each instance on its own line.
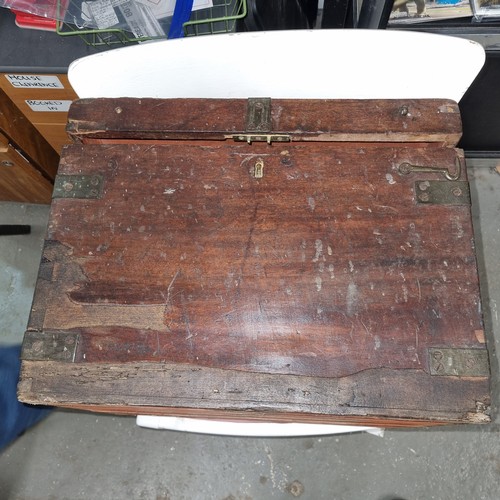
column 182, row 13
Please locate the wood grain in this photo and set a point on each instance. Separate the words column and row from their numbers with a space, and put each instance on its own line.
column 51, row 125
column 402, row 397
column 327, row 253
column 24, row 135
column 311, row 291
column 19, row 179
column 325, row 120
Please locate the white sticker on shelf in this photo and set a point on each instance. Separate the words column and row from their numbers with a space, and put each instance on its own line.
column 49, row 105
column 35, row 81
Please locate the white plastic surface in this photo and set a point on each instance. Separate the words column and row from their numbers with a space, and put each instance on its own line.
column 336, row 64
column 251, row 429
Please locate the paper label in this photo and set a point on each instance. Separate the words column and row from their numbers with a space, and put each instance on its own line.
column 165, row 8
column 140, row 20
column 38, row 105
column 35, row 81
column 103, row 13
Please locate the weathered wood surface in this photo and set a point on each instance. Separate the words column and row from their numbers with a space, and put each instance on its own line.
column 374, row 397
column 431, row 120
column 315, row 291
column 327, row 253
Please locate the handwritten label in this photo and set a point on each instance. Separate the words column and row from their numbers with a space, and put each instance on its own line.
column 103, row 13
column 53, row 105
column 35, row 81
column 165, row 8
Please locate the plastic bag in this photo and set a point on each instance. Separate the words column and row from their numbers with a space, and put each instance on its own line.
column 142, row 18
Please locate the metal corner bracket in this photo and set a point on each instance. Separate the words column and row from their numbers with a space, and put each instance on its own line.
column 50, row 346
column 459, row 362
column 78, row 186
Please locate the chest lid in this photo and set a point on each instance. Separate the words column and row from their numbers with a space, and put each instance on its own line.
column 268, row 120
column 319, row 277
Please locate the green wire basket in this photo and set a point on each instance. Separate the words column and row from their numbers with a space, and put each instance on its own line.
column 221, row 18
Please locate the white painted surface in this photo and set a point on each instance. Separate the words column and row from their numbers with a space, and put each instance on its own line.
column 336, row 64
column 255, row 429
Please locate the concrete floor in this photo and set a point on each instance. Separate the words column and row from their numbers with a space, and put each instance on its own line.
column 81, row 455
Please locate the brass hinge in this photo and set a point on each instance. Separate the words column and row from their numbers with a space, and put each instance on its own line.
column 269, row 138
column 459, row 362
column 78, row 186
column 259, row 123
column 259, row 114
column 50, row 346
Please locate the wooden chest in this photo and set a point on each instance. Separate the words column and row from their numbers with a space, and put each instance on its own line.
column 285, row 260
